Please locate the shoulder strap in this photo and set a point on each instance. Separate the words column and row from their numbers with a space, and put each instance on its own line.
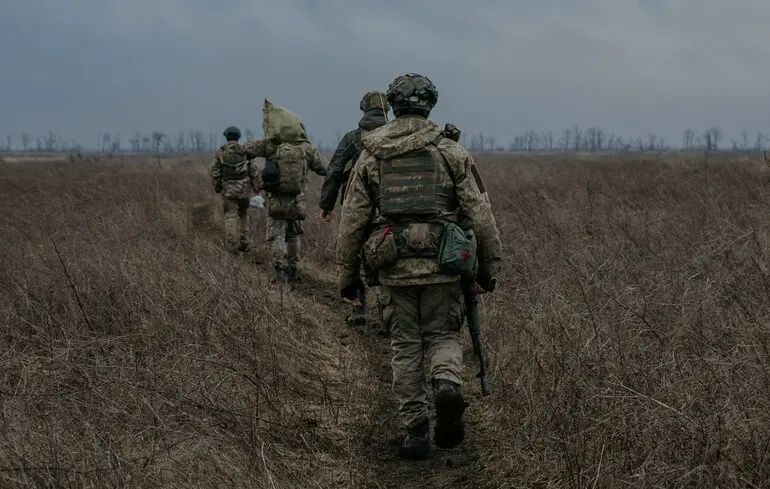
column 433, row 148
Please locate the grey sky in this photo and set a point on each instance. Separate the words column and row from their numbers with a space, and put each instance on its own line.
column 78, row 67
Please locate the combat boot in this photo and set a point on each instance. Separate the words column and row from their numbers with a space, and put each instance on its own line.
column 450, row 406
column 244, row 246
column 416, row 443
column 280, row 274
column 358, row 314
column 292, row 275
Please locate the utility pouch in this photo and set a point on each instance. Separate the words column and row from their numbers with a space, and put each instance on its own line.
column 380, row 250
column 457, row 252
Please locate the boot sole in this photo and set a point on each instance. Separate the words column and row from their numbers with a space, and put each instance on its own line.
column 450, row 428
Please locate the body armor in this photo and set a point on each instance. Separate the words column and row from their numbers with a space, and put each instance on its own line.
column 413, row 201
column 409, row 187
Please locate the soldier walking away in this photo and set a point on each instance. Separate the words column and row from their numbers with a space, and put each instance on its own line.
column 234, row 177
column 431, row 222
column 289, row 157
column 375, row 114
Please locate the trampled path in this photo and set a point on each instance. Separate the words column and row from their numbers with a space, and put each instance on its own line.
column 377, row 433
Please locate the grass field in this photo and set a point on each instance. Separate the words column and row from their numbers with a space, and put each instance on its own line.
column 629, row 338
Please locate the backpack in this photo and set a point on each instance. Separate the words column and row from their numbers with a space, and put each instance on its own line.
column 351, row 155
column 284, row 171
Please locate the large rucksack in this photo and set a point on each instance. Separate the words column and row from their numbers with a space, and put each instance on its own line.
column 281, row 124
column 284, row 171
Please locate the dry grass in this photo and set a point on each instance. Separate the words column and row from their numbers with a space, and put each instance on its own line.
column 628, row 340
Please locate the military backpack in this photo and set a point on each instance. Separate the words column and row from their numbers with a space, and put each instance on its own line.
column 284, row 171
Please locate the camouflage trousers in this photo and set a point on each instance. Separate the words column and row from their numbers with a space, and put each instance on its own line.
column 284, row 238
column 425, row 328
column 236, row 222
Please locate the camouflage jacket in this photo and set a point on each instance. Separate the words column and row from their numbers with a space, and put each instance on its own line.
column 400, row 136
column 346, row 150
column 227, row 154
column 292, row 207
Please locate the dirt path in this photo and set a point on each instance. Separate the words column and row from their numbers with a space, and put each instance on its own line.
column 368, row 408
column 377, row 432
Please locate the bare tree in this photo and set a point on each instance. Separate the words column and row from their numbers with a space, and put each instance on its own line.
column 157, row 138
column 651, row 138
column 198, row 139
column 8, row 145
column 24, row 141
column 715, row 136
column 116, row 143
column 687, row 138
column 135, row 141
column 180, row 142
column 577, row 138
column 50, row 141
column 744, row 140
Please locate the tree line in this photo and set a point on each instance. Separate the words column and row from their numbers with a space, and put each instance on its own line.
column 590, row 139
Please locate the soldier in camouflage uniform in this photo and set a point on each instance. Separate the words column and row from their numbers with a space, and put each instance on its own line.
column 286, row 212
column 375, row 114
column 234, row 177
column 410, row 178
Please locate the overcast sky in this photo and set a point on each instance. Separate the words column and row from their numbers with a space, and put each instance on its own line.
column 78, row 67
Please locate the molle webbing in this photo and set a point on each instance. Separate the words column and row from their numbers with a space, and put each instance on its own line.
column 235, row 171
column 400, row 231
column 409, row 187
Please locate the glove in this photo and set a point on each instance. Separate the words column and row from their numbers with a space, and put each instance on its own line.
column 486, row 282
column 486, row 274
column 350, row 291
column 218, row 187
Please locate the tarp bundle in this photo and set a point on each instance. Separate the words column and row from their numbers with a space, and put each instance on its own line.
column 282, row 124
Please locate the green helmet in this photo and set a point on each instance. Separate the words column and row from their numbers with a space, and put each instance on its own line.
column 412, row 92
column 374, row 99
column 232, row 133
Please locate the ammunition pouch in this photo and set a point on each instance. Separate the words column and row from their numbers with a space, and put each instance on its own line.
column 453, row 247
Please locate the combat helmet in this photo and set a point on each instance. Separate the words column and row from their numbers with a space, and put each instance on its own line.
column 412, row 93
column 232, row 133
column 374, row 99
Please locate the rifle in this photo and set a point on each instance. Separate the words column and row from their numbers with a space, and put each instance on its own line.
column 472, row 314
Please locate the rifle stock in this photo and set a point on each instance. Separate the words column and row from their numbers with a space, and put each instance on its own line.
column 474, row 327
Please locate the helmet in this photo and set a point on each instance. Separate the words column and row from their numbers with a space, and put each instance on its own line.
column 374, row 99
column 412, row 92
column 232, row 132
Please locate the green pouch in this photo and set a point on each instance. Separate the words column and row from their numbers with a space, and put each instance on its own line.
column 457, row 252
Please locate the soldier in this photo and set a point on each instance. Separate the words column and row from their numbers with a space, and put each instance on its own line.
column 234, row 177
column 286, row 201
column 422, row 195
column 375, row 114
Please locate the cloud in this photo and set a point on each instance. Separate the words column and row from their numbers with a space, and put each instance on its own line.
column 501, row 67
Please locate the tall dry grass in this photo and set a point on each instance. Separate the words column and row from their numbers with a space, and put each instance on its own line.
column 628, row 340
